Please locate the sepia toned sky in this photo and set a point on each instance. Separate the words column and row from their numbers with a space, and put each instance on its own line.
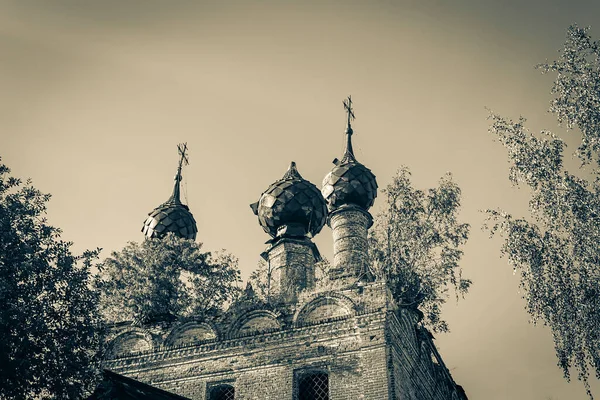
column 95, row 96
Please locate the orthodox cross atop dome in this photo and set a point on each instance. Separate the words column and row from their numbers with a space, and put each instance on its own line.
column 348, row 152
column 172, row 215
column 349, row 182
column 348, row 107
column 183, row 160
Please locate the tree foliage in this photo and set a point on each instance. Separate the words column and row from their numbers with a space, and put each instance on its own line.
column 263, row 283
column 576, row 90
column 268, row 289
column 165, row 279
column 555, row 250
column 49, row 324
column 415, row 245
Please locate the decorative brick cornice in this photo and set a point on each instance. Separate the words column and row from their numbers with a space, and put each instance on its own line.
column 336, row 324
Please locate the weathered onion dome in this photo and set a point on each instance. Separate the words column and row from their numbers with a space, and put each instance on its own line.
column 172, row 215
column 292, row 207
column 349, row 182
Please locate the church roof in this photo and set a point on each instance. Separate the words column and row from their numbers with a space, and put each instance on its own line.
column 172, row 215
column 115, row 386
column 349, row 182
column 291, row 206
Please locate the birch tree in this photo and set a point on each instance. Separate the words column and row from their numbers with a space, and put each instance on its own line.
column 555, row 248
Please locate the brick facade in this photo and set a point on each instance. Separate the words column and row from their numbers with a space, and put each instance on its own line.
column 292, row 265
column 350, row 229
column 369, row 349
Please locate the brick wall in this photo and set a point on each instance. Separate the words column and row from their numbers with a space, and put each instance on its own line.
column 371, row 350
column 292, row 263
column 416, row 371
column 350, row 226
column 263, row 366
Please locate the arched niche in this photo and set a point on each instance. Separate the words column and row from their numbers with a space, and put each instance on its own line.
column 325, row 306
column 191, row 332
column 131, row 341
column 255, row 322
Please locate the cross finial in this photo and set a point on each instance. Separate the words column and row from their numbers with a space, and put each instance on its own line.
column 183, row 160
column 348, row 107
column 348, row 152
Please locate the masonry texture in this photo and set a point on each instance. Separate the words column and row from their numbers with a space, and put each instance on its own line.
column 369, row 348
column 292, row 266
column 350, row 229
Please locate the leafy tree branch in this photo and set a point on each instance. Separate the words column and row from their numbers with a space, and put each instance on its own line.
column 555, row 250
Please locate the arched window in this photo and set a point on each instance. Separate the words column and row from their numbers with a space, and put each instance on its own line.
column 314, row 386
column 222, row 392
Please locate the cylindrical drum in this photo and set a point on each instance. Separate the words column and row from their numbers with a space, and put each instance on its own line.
column 350, row 227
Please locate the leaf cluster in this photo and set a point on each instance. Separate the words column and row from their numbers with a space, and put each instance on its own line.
column 576, row 90
column 555, row 250
column 415, row 245
column 49, row 322
column 268, row 288
column 165, row 279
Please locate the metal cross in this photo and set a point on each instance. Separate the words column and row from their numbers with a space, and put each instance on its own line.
column 182, row 150
column 348, row 107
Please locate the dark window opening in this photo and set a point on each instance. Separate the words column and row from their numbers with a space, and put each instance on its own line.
column 314, row 386
column 222, row 392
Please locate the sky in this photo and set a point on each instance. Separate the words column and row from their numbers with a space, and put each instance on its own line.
column 96, row 95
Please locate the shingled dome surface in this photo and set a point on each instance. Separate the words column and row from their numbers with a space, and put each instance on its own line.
column 350, row 182
column 293, row 204
column 170, row 217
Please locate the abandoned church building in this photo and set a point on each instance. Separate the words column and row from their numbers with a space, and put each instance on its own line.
column 343, row 340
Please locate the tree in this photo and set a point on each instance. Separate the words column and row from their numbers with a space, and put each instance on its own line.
column 165, row 279
column 267, row 288
column 555, row 250
column 415, row 245
column 262, row 282
column 49, row 324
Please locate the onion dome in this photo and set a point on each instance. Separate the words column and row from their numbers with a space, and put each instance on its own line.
column 292, row 207
column 349, row 182
column 172, row 215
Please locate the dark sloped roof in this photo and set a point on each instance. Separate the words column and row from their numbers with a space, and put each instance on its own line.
column 115, row 386
column 170, row 217
column 291, row 202
column 349, row 182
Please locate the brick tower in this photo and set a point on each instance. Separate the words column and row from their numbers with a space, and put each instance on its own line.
column 350, row 190
column 342, row 339
column 291, row 211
